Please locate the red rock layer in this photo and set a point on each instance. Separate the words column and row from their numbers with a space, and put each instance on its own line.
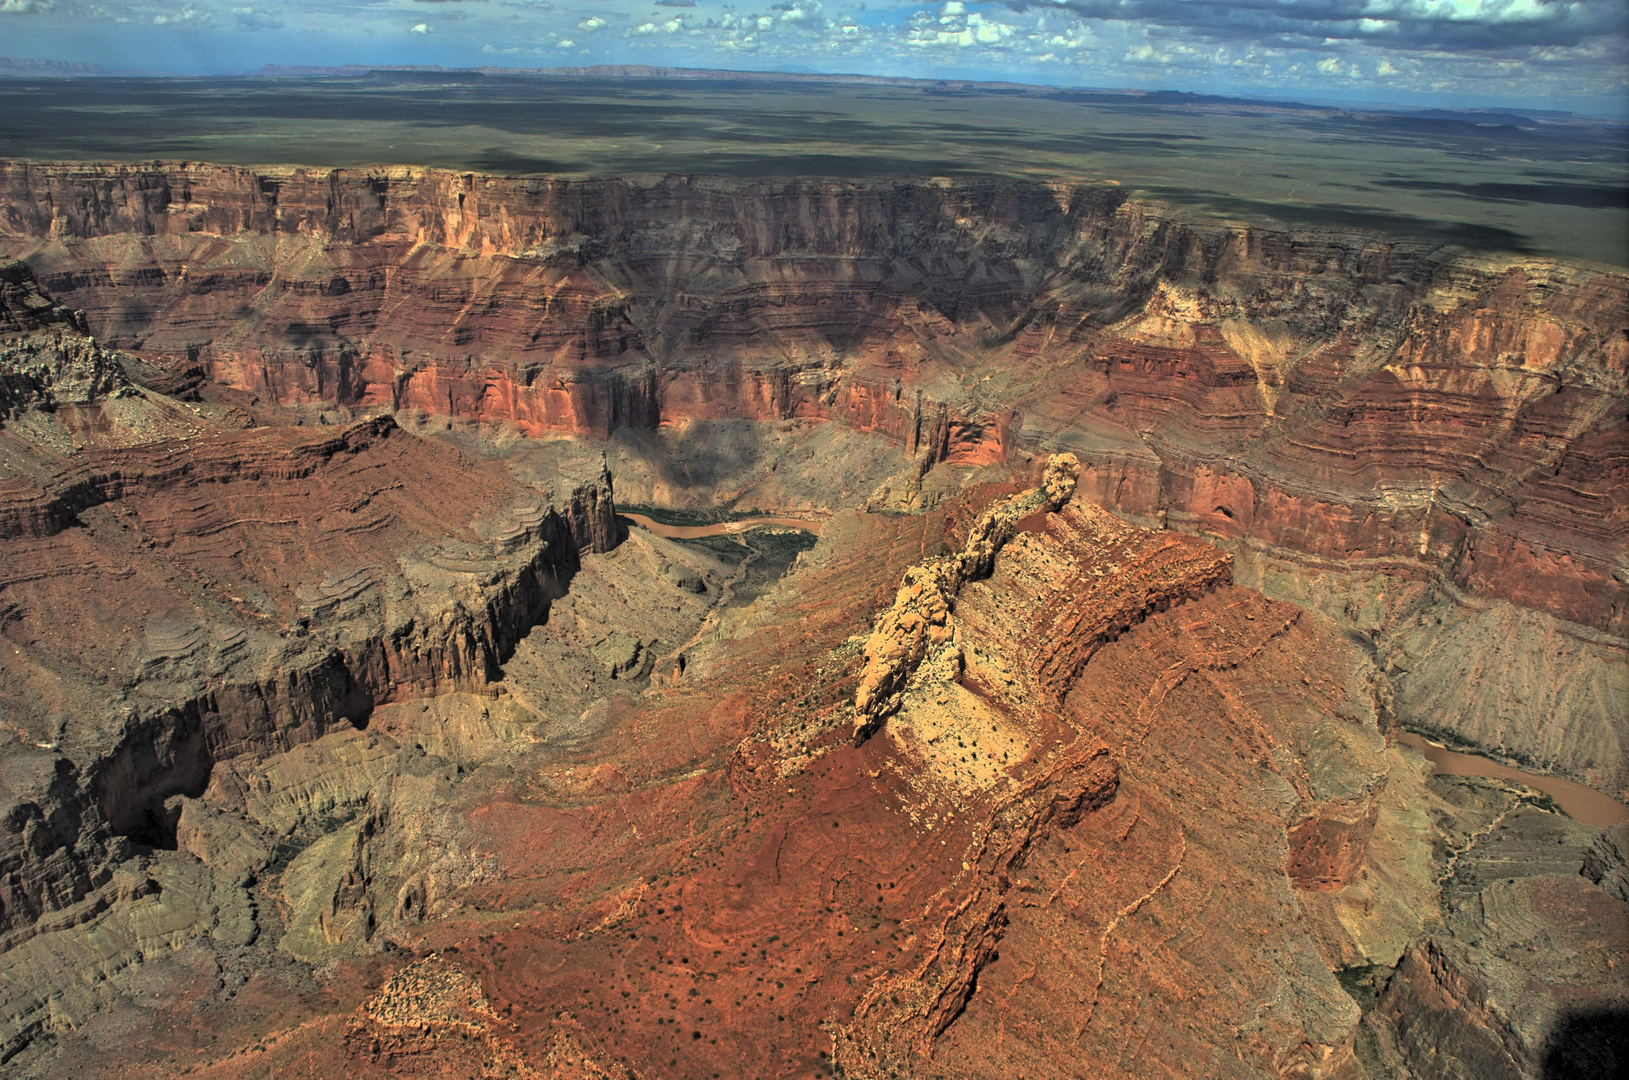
column 1335, row 394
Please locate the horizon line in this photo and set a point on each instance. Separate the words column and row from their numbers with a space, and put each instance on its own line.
column 12, row 67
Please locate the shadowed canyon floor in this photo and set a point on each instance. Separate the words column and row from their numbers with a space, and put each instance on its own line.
column 1001, row 676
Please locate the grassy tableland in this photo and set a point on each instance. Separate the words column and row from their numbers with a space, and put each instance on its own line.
column 1551, row 186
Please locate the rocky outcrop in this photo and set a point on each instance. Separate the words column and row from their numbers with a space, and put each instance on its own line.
column 43, row 372
column 25, row 307
column 1470, row 1001
column 591, row 515
column 46, row 359
column 1607, row 861
column 1085, row 649
column 920, row 618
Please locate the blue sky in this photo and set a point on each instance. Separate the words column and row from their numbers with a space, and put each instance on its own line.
column 1535, row 53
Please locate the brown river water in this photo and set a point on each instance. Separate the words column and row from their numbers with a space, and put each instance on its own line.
column 720, row 528
column 1585, row 804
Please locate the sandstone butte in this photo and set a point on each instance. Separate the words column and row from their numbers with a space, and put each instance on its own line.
column 349, row 731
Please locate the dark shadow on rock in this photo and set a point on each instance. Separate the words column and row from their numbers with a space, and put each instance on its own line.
column 1588, row 1044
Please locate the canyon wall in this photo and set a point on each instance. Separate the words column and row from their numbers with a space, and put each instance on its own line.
column 176, row 591
column 1331, row 393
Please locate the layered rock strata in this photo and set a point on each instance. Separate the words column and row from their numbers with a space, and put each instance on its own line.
column 943, row 899
column 1469, row 1000
column 1443, row 430
column 920, row 619
column 1607, row 861
column 1335, row 394
column 177, row 592
column 1100, row 831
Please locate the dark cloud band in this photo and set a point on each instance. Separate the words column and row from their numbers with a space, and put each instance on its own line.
column 1402, row 25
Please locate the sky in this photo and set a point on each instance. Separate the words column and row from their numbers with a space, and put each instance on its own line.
column 1558, row 54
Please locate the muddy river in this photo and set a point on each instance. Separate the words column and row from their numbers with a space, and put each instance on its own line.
column 720, row 528
column 1580, row 802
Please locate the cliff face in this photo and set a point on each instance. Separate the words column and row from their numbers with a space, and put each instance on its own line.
column 1327, row 393
column 178, row 591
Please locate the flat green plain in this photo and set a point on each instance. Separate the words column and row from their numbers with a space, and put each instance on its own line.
column 1548, row 187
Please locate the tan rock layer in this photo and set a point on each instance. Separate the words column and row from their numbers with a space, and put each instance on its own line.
column 920, row 617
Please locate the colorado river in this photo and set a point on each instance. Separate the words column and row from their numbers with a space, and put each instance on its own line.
column 719, row 528
column 1585, row 804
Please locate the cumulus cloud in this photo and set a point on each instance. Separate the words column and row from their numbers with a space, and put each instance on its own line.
column 1529, row 49
column 955, row 28
column 671, row 26
column 185, row 17
column 252, row 19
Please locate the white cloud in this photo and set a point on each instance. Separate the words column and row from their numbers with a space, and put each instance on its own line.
column 988, row 31
column 953, row 28
column 251, row 19
column 185, row 17
column 1533, row 48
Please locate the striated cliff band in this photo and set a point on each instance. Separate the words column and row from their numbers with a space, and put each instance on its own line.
column 1350, row 402
column 348, row 730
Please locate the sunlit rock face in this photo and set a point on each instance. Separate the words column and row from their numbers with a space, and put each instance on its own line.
column 345, row 719
column 1338, row 394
